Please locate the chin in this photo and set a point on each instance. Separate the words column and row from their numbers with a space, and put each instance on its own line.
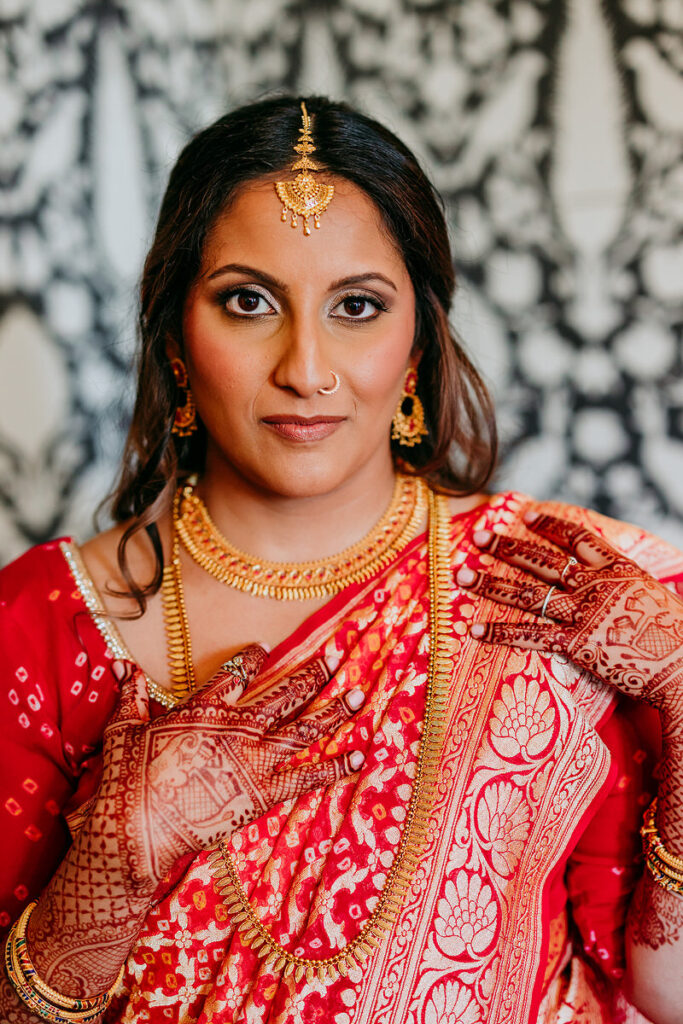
column 304, row 481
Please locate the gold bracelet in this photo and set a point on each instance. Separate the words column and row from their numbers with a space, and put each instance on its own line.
column 40, row 997
column 665, row 867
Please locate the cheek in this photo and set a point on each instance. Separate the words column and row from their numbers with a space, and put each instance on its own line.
column 380, row 374
column 218, row 368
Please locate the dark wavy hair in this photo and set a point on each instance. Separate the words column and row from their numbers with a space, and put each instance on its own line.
column 254, row 142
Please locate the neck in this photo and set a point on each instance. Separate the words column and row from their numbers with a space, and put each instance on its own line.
column 293, row 528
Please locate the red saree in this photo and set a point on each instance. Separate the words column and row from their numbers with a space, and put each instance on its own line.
column 515, row 911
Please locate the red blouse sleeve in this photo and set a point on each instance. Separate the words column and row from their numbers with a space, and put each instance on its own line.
column 56, row 693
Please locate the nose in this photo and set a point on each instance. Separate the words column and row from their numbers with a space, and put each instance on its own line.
column 303, row 366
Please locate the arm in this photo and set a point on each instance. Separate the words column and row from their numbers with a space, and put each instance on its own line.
column 144, row 822
column 613, row 619
column 654, row 933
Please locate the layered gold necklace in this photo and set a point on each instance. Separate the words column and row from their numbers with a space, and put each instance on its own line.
column 289, row 581
column 301, row 581
column 396, row 528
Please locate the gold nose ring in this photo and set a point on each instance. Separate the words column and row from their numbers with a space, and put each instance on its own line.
column 333, row 390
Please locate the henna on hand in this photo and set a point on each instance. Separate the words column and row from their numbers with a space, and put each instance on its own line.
column 655, row 916
column 188, row 779
column 605, row 612
column 171, row 787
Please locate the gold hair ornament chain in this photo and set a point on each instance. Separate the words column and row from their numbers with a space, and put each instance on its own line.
column 299, row 581
column 415, row 831
column 304, row 196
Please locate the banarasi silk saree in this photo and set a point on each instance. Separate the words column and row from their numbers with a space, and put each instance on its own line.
column 514, row 911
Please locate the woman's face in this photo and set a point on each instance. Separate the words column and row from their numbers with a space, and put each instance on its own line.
column 271, row 315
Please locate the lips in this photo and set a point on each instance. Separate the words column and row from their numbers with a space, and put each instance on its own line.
column 303, row 428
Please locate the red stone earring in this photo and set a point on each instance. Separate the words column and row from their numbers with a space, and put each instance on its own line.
column 185, row 417
column 408, row 425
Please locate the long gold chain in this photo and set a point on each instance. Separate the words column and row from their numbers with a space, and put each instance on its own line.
column 302, row 580
column 178, row 640
column 415, row 832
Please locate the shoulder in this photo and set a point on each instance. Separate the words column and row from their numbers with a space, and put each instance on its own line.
column 32, row 578
column 49, row 640
column 100, row 556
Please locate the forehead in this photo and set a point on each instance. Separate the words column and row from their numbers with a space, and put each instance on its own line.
column 351, row 237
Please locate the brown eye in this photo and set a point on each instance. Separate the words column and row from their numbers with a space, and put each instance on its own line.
column 358, row 307
column 354, row 307
column 243, row 302
column 248, row 301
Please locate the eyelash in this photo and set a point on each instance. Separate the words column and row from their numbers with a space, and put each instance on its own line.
column 224, row 297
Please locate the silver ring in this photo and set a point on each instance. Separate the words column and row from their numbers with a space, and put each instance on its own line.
column 570, row 562
column 331, row 391
column 547, row 598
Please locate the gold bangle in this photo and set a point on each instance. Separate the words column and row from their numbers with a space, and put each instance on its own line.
column 665, row 867
column 40, row 997
column 650, row 833
column 677, row 876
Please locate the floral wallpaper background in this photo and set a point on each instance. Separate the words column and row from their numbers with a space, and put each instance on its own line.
column 554, row 131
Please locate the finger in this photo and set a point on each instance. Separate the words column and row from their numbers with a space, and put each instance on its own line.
column 576, row 539
column 531, row 596
column 534, row 636
column 133, row 703
column 323, row 722
column 538, row 559
column 286, row 697
column 230, row 681
column 296, row 781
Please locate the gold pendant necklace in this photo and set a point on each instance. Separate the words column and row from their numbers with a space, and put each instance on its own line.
column 301, row 581
column 415, row 831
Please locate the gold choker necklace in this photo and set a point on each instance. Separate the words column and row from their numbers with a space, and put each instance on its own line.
column 301, row 581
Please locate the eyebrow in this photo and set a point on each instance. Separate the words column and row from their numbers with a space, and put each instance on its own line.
column 273, row 282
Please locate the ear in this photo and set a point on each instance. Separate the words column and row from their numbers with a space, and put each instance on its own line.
column 172, row 347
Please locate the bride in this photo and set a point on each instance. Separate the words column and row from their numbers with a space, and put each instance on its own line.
column 322, row 730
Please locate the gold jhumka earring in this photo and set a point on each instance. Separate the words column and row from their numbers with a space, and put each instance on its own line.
column 185, row 416
column 408, row 425
column 304, row 197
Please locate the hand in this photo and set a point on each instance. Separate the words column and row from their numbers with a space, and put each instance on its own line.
column 186, row 780
column 605, row 612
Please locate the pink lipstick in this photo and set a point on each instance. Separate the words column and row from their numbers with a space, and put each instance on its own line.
column 303, row 428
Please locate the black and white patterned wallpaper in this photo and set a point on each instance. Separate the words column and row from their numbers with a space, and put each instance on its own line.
column 553, row 129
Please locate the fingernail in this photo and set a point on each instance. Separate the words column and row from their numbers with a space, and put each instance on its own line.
column 356, row 759
column 530, row 516
column 482, row 537
column 355, row 698
column 465, row 577
column 119, row 669
column 477, row 630
column 264, row 645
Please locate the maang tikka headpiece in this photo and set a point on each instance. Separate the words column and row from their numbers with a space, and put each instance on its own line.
column 304, row 197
